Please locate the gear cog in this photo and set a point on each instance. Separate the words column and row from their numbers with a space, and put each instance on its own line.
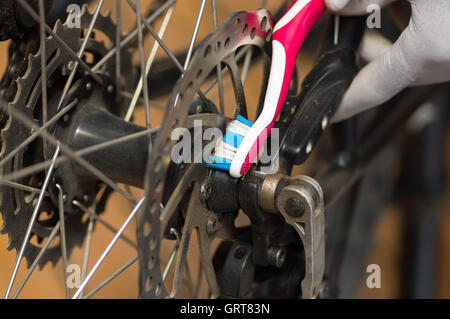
column 17, row 205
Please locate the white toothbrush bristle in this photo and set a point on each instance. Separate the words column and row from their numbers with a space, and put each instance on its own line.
column 225, row 149
column 238, row 128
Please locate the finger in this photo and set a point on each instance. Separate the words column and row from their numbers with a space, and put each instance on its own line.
column 336, row 5
column 381, row 79
column 354, row 7
column 373, row 45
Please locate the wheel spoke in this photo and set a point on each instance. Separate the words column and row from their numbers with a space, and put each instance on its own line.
column 142, row 60
column 64, row 152
column 239, row 94
column 37, row 133
column 247, row 51
column 95, row 216
column 85, row 151
column 110, row 278
column 194, row 34
column 158, row 39
column 43, row 68
column 80, row 54
column 23, row 187
column 219, row 69
column 174, row 232
column 152, row 103
column 62, row 231
column 37, row 259
column 130, row 37
column 71, row 154
column 245, row 67
column 181, row 261
column 118, row 38
column 31, row 223
column 108, row 249
column 224, row 71
column 61, row 42
column 143, row 80
column 164, row 46
column 87, row 249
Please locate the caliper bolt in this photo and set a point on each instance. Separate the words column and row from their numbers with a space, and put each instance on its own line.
column 276, row 256
column 294, row 207
column 205, row 191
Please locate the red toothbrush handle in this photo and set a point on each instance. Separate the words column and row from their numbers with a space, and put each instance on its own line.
column 291, row 31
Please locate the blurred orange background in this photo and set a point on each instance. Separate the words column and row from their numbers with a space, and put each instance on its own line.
column 48, row 283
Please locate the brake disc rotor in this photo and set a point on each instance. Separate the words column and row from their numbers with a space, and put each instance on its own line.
column 240, row 29
column 17, row 205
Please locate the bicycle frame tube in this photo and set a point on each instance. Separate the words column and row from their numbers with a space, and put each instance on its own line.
column 336, row 179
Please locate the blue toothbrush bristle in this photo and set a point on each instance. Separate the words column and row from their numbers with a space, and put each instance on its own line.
column 243, row 120
column 220, row 163
column 232, row 139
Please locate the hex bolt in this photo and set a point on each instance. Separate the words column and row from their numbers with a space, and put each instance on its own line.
column 276, row 256
column 89, row 86
column 205, row 191
column 294, row 207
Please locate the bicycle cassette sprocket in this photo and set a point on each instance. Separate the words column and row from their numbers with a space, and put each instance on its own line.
column 16, row 205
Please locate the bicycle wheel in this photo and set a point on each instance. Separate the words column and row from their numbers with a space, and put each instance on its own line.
column 72, row 99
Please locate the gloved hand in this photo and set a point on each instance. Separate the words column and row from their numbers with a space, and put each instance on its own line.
column 421, row 55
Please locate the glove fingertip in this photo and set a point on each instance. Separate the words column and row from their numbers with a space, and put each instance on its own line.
column 336, row 5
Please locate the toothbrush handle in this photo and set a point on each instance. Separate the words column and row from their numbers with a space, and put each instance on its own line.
column 288, row 36
column 290, row 32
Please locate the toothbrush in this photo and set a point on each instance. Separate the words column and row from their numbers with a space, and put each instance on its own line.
column 244, row 140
